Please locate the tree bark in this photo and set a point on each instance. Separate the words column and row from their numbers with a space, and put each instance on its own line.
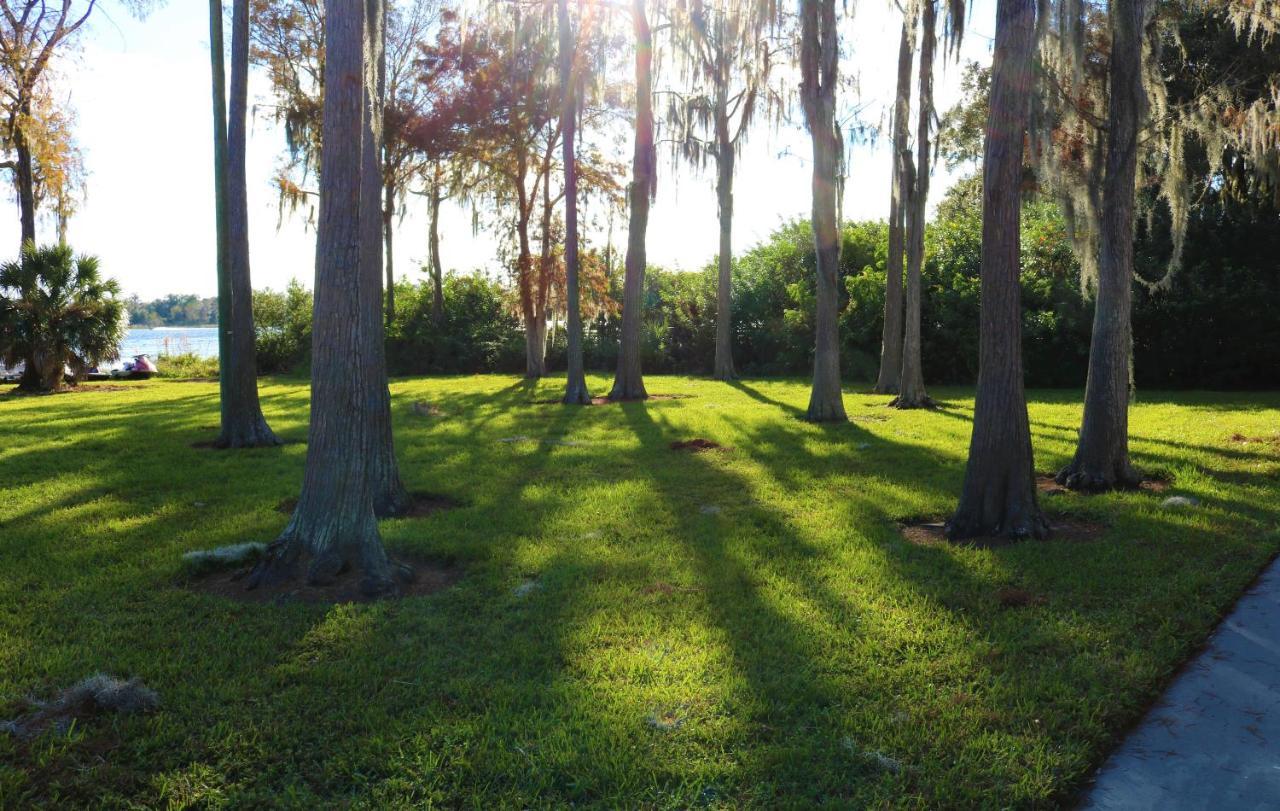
column 819, row 61
column 1101, row 460
column 389, row 494
column 575, row 392
column 226, row 344
column 388, row 242
column 999, row 494
column 243, row 425
column 433, row 248
column 333, row 528
column 535, row 324
column 911, row 390
column 24, row 169
column 724, row 197
column 891, row 339
column 628, row 384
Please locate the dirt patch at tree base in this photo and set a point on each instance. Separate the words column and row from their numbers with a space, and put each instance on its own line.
column 603, row 401
column 421, row 505
column 213, row 445
column 1048, row 485
column 429, row 577
column 1014, row 597
column 697, row 445
column 1241, row 439
column 83, row 388
column 932, row 532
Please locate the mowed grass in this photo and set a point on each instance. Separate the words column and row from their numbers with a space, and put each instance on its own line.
column 635, row 626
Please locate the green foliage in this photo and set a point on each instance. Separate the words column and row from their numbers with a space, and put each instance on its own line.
column 282, row 328
column 187, row 366
column 757, row 657
column 174, row 310
column 56, row 311
column 479, row 332
column 1217, row 325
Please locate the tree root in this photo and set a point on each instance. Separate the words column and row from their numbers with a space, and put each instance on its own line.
column 1085, row 478
column 285, row 565
column 906, row 403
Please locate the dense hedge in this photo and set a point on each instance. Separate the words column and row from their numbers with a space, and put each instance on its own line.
column 1216, row 327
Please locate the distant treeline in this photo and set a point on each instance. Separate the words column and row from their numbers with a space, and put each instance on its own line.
column 174, row 310
column 1215, row 327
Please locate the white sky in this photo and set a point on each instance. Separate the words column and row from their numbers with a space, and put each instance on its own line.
column 141, row 91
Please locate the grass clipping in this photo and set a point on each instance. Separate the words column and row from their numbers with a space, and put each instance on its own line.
column 96, row 695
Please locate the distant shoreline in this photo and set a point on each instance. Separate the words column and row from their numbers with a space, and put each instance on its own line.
column 171, row 326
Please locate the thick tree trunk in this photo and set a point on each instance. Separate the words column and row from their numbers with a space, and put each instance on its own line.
column 333, row 528
column 629, row 382
column 243, row 425
column 724, row 280
column 1102, row 456
column 999, row 495
column 819, row 64
column 575, row 392
column 433, row 247
column 911, row 390
column 891, row 339
column 388, row 242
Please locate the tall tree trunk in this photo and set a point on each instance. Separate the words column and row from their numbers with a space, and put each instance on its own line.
column 388, row 242
column 819, row 62
column 891, row 340
column 389, row 494
column 226, row 343
column 1102, row 456
column 24, row 169
column 724, row 280
column 999, row 495
column 629, row 382
column 333, row 528
column 433, row 248
column 575, row 392
column 911, row 391
column 243, row 425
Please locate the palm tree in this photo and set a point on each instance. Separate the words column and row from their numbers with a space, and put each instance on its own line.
column 57, row 310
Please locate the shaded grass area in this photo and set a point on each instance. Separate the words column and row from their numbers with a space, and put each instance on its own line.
column 635, row 625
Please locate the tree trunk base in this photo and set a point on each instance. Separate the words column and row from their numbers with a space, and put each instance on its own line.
column 907, row 402
column 288, row 562
column 257, row 434
column 576, row 394
column 826, row 412
column 1089, row 478
column 885, row 388
column 628, row 391
column 1015, row 516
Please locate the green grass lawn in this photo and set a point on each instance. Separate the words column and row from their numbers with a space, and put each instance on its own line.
column 720, row 629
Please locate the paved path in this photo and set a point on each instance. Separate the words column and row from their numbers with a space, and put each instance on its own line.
column 1213, row 741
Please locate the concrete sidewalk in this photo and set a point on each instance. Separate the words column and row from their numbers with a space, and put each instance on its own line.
column 1213, row 740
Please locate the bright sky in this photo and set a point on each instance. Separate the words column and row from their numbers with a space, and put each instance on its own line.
column 141, row 90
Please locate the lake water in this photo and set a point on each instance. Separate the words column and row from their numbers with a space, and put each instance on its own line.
column 202, row 341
